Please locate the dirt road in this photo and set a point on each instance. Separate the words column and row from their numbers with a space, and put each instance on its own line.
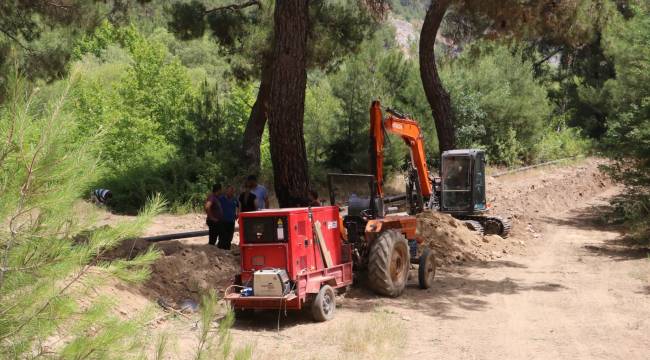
column 576, row 294
column 563, row 286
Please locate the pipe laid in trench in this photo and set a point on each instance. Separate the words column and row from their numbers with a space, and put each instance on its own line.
column 175, row 236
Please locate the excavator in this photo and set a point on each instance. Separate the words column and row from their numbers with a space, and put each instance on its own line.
column 383, row 242
column 460, row 189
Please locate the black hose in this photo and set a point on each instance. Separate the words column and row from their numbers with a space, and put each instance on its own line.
column 175, row 236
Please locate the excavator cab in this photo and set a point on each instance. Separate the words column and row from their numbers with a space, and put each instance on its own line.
column 462, row 186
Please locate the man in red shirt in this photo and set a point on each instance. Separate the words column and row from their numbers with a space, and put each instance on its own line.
column 214, row 214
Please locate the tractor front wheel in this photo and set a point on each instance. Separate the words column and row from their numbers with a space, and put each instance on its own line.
column 388, row 264
column 426, row 269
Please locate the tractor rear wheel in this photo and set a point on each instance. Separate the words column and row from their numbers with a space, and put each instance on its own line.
column 388, row 264
column 426, row 269
column 322, row 309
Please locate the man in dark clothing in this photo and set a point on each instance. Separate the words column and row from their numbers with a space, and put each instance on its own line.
column 313, row 198
column 214, row 214
column 247, row 200
column 229, row 206
column 261, row 194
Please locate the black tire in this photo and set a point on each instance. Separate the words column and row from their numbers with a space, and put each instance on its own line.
column 426, row 269
column 324, row 305
column 388, row 264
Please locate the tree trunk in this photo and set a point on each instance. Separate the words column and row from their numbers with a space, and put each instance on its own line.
column 287, row 102
column 437, row 96
column 256, row 122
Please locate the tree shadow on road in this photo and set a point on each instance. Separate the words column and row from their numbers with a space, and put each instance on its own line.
column 596, row 217
column 603, row 218
column 619, row 249
column 454, row 289
column 495, row 264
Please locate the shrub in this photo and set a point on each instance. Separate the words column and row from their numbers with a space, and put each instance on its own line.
column 561, row 141
column 498, row 103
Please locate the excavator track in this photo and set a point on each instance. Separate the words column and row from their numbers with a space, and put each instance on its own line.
column 492, row 225
column 474, row 226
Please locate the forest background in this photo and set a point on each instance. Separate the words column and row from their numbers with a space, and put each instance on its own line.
column 170, row 97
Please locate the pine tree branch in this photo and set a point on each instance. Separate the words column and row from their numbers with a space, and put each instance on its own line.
column 26, row 184
column 58, row 5
column 16, row 40
column 234, row 7
column 83, row 271
column 546, row 58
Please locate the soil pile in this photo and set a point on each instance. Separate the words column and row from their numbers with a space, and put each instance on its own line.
column 530, row 196
column 453, row 242
column 184, row 270
column 525, row 199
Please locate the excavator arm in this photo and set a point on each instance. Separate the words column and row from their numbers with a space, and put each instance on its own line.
column 406, row 128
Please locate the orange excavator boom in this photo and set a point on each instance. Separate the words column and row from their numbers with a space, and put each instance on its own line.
column 406, row 128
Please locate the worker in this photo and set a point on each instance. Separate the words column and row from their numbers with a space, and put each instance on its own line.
column 214, row 214
column 229, row 207
column 260, row 192
column 101, row 196
column 457, row 175
column 247, row 200
column 313, row 198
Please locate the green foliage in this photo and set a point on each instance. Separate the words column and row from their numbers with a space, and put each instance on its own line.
column 322, row 110
column 628, row 43
column 105, row 35
column 561, row 141
column 499, row 104
column 627, row 141
column 49, row 260
column 210, row 346
column 162, row 133
column 374, row 73
column 411, row 10
column 337, row 103
column 172, row 106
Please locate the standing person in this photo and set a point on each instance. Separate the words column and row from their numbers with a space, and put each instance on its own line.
column 229, row 206
column 214, row 214
column 247, row 200
column 313, row 198
column 260, row 192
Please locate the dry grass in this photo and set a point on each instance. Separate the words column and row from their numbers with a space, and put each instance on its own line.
column 380, row 336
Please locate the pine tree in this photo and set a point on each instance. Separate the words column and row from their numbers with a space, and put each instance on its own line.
column 50, row 257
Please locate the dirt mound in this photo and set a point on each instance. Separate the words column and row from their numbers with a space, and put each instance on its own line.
column 531, row 196
column 184, row 270
column 525, row 199
column 452, row 241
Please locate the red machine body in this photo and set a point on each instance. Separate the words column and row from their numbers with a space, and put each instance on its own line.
column 286, row 239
